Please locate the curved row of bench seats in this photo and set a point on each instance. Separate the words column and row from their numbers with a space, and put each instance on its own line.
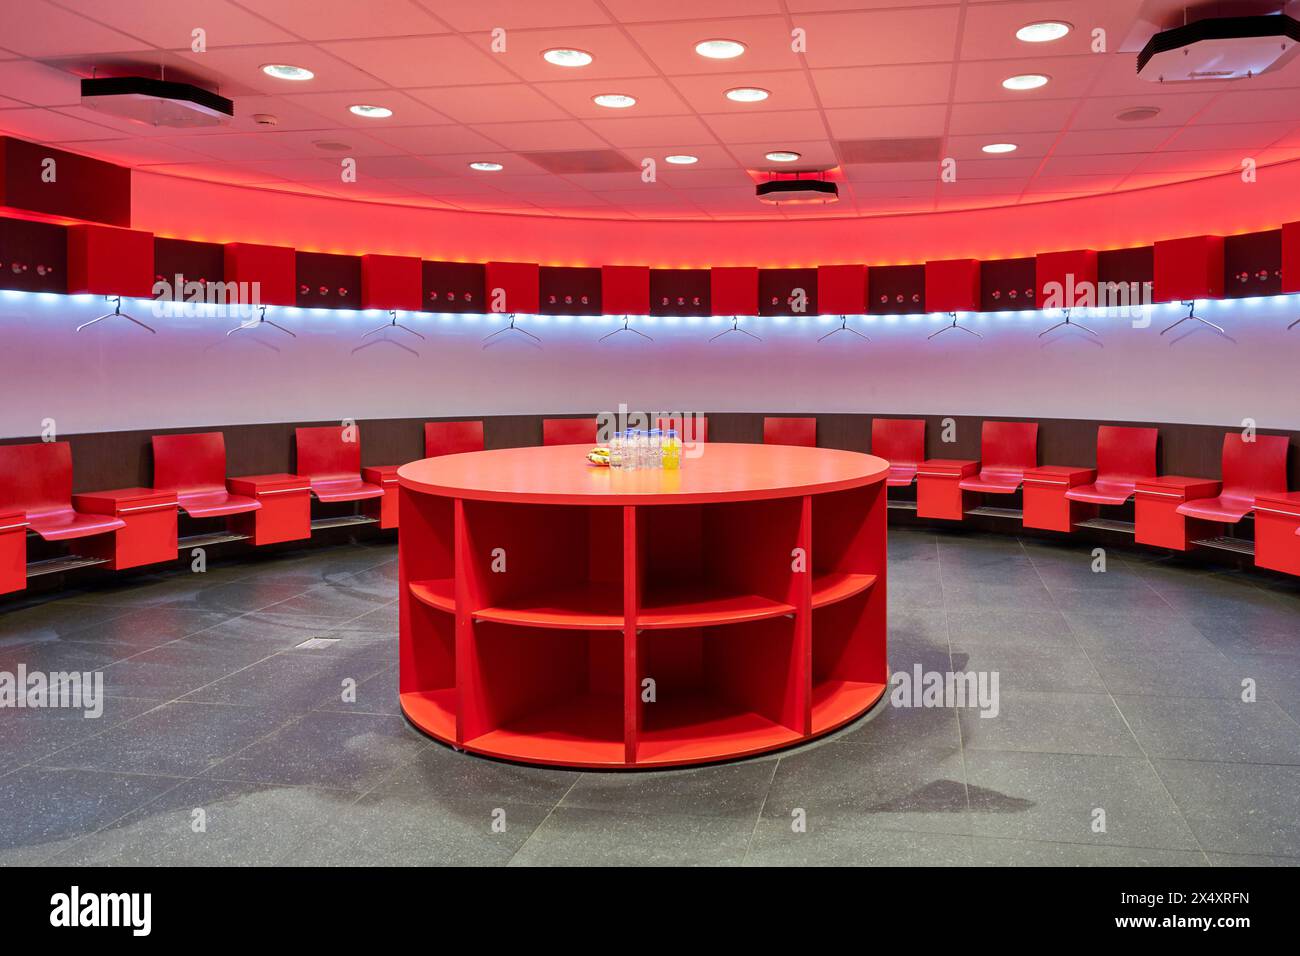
column 1170, row 511
column 130, row 527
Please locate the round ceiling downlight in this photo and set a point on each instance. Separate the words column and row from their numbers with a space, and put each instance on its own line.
column 996, row 148
column 1043, row 31
column 370, row 112
column 1025, row 81
column 747, row 94
column 286, row 71
column 719, row 49
column 485, row 167
column 562, row 56
column 782, row 156
column 614, row 101
column 682, row 159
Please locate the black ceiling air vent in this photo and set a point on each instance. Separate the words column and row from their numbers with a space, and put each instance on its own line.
column 156, row 102
column 782, row 192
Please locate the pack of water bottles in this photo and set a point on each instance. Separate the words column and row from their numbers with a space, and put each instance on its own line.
column 642, row 449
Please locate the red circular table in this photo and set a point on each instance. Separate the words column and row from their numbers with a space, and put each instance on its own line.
column 559, row 613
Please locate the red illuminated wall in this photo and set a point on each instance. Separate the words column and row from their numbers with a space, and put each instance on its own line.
column 1223, row 205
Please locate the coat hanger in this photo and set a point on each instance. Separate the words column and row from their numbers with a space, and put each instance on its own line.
column 394, row 324
column 1066, row 322
column 949, row 328
column 261, row 320
column 625, row 328
column 1293, row 325
column 735, row 327
column 117, row 311
column 1191, row 314
column 511, row 328
column 844, row 327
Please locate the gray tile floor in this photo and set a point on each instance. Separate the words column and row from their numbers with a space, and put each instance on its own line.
column 1120, row 693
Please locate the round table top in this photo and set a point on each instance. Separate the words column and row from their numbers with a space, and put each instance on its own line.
column 561, row 474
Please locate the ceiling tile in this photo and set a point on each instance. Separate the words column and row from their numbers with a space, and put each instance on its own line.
column 39, row 85
column 887, row 122
column 883, row 85
column 170, row 26
column 567, row 134
column 499, row 103
column 654, row 96
column 485, row 15
column 767, row 127
column 420, row 61
column 665, row 131
column 313, row 20
column 243, row 65
column 923, row 35
column 789, row 89
column 671, row 46
column 36, row 28
column 614, row 55
column 432, row 140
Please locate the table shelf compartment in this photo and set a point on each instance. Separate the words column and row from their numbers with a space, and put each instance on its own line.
column 551, row 566
column 714, row 564
column 849, row 672
column 544, row 695
column 718, row 691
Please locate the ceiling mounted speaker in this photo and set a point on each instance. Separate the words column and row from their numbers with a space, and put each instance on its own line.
column 156, row 102
column 783, row 192
column 1219, row 48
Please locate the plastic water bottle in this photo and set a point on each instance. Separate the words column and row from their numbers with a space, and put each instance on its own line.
column 616, row 450
column 631, row 450
column 654, row 449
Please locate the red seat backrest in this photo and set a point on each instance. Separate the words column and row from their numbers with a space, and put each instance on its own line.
column 1256, row 467
column 1126, row 454
column 698, row 425
column 322, row 452
column 452, row 438
column 898, row 440
column 1009, row 445
column 36, row 477
column 790, row 431
column 568, row 431
column 189, row 462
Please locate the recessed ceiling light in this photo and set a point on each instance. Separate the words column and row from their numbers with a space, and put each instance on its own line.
column 782, row 156
column 331, row 146
column 487, row 167
column 614, row 101
column 1137, row 114
column 371, row 112
column 1025, row 81
column 720, row 49
column 565, row 57
column 681, row 159
column 1000, row 148
column 747, row 94
column 1043, row 31
column 284, row 71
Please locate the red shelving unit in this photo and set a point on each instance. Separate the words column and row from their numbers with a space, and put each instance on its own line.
column 562, row 614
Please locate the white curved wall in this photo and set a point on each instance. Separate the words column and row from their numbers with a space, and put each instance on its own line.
column 115, row 376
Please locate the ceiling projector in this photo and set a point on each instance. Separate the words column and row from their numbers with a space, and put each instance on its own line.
column 1219, row 48
column 156, row 102
column 785, row 192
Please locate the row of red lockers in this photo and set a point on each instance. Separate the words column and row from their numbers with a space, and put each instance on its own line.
column 108, row 260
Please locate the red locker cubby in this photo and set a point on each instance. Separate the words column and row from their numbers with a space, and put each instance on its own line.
column 1074, row 272
column 392, row 282
column 327, row 281
column 273, row 268
column 149, row 535
column 105, row 260
column 734, row 290
column 1007, row 284
column 82, row 188
column 952, row 285
column 787, row 292
column 512, row 287
column 567, row 290
column 200, row 262
column 625, row 290
column 1190, row 268
column 681, row 292
column 33, row 256
column 896, row 290
column 1291, row 257
column 1252, row 264
column 454, row 287
column 1133, row 268
column 842, row 290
